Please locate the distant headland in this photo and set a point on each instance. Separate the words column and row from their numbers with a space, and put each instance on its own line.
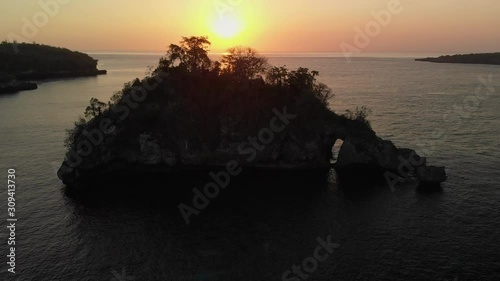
column 489, row 58
column 22, row 62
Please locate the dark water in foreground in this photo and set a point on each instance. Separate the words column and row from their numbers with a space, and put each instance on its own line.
column 258, row 229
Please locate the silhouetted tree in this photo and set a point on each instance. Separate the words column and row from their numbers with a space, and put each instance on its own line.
column 202, row 104
column 360, row 114
column 244, row 62
column 191, row 54
column 322, row 92
column 74, row 133
column 95, row 108
column 302, row 78
column 277, row 76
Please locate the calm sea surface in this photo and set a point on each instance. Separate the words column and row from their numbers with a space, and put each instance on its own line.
column 408, row 234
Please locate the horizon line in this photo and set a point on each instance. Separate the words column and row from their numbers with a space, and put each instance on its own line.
column 295, row 54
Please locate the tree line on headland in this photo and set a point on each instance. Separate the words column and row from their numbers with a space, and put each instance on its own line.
column 24, row 62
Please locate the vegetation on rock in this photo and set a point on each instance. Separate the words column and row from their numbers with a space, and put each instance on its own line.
column 18, row 58
column 23, row 61
column 192, row 111
column 200, row 102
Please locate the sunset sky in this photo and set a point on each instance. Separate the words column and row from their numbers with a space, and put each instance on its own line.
column 445, row 26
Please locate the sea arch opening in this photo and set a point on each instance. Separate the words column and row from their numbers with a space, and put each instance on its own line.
column 336, row 150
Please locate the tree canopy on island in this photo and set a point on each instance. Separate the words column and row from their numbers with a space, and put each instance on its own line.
column 190, row 99
column 18, row 58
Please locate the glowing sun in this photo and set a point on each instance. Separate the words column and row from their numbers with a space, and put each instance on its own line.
column 227, row 27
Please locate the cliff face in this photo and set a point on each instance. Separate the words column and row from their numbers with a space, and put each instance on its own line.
column 396, row 164
column 273, row 147
column 195, row 114
column 150, row 152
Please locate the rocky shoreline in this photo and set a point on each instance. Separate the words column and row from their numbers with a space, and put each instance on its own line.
column 357, row 154
column 15, row 86
column 59, row 74
column 23, row 81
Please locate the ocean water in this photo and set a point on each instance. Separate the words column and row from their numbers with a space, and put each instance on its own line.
column 449, row 113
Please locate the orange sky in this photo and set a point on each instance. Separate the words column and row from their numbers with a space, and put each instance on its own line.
column 445, row 26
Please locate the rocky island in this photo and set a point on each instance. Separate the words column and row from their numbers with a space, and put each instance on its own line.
column 23, row 62
column 192, row 114
column 488, row 58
